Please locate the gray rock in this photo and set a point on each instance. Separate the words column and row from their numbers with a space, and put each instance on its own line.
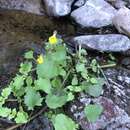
column 105, row 43
column 126, row 62
column 122, row 21
column 120, row 3
column 58, row 8
column 79, row 3
column 112, row 118
column 95, row 13
column 32, row 6
column 117, row 3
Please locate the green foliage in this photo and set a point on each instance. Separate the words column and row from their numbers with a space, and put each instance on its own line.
column 32, row 98
column 6, row 92
column 93, row 112
column 48, row 69
column 63, row 122
column 43, row 84
column 55, row 101
column 94, row 88
column 21, row 117
column 4, row 111
column 29, row 55
column 25, row 68
column 53, row 82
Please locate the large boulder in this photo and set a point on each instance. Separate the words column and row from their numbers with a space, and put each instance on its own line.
column 103, row 43
column 40, row 25
column 58, row 7
column 32, row 6
column 112, row 118
column 122, row 21
column 95, row 13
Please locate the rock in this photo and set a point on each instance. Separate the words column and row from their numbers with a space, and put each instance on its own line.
column 95, row 13
column 117, row 3
column 12, row 45
column 58, row 8
column 118, row 89
column 79, row 3
column 32, row 6
column 122, row 21
column 105, row 43
column 112, row 118
column 126, row 62
column 40, row 25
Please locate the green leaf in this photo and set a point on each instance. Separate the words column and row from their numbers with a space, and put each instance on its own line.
column 22, row 117
column 56, row 82
column 29, row 81
column 70, row 96
column 4, row 111
column 25, row 68
column 63, row 122
column 6, row 92
column 43, row 84
column 80, row 67
column 12, row 114
column 74, row 80
column 47, row 70
column 78, row 89
column 94, row 65
column 2, row 101
column 59, row 54
column 62, row 72
column 54, row 101
column 95, row 90
column 93, row 80
column 32, row 98
column 18, row 82
column 93, row 112
column 85, row 75
column 29, row 55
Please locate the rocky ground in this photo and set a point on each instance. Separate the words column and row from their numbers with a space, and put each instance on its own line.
column 100, row 26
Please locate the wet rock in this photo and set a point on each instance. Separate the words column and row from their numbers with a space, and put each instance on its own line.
column 58, row 8
column 122, row 21
column 105, row 43
column 41, row 25
column 32, row 6
column 95, row 13
column 13, row 44
column 112, row 118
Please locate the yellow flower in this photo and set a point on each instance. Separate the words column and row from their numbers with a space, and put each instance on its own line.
column 53, row 39
column 40, row 59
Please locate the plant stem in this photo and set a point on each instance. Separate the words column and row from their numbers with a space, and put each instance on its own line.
column 66, row 78
column 105, row 66
column 11, row 100
column 101, row 70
